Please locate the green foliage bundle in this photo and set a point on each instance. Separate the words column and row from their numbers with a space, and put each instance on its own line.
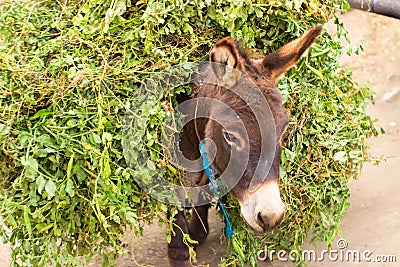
column 67, row 68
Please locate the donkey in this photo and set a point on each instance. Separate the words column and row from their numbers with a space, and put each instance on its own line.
column 261, row 207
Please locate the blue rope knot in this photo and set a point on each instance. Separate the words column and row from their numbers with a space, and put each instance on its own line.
column 211, row 173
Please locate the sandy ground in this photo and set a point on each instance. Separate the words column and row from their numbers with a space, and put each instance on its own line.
column 373, row 221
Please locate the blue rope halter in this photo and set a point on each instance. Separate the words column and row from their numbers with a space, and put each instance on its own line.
column 211, row 173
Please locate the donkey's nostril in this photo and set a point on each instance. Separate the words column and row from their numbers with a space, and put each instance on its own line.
column 262, row 221
column 269, row 221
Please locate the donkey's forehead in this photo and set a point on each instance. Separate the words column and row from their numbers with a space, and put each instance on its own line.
column 236, row 112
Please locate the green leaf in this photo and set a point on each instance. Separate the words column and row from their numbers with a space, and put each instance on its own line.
column 41, row 113
column 340, row 156
column 107, row 137
column 69, row 167
column 40, row 153
column 131, row 217
column 151, row 165
column 50, row 188
column 57, row 231
column 135, row 199
column 79, row 172
column 96, row 138
column 69, row 188
column 31, row 167
column 297, row 4
column 289, row 155
column 43, row 227
column 41, row 182
column 27, row 222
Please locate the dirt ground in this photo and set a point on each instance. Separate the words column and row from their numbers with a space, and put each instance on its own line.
column 373, row 221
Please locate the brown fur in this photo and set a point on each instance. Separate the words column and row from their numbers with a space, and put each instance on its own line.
column 264, row 73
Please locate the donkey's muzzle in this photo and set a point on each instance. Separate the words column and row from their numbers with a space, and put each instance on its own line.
column 263, row 209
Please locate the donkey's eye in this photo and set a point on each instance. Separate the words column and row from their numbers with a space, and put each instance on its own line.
column 230, row 138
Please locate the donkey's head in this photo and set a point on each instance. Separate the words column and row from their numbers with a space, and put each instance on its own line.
column 242, row 131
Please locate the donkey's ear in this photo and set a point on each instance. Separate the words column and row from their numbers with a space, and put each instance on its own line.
column 280, row 61
column 224, row 59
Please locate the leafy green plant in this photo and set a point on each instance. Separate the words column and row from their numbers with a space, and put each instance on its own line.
column 67, row 69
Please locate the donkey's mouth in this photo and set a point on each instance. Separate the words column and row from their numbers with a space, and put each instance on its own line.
column 260, row 228
column 264, row 223
column 268, row 225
